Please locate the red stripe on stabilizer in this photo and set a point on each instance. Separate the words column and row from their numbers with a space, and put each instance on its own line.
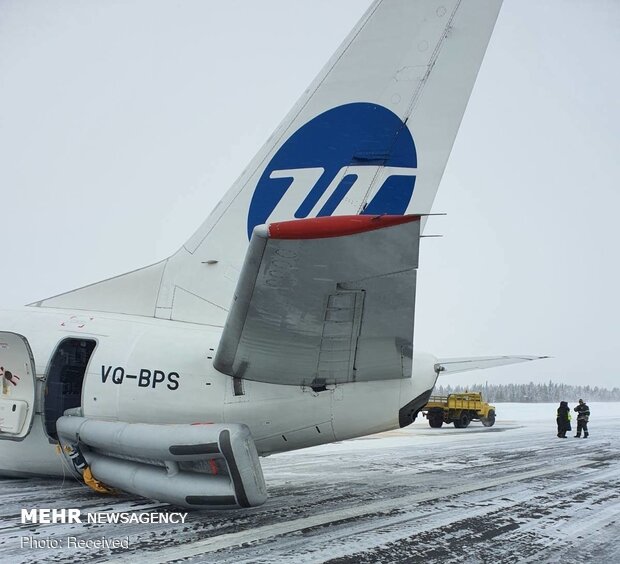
column 335, row 226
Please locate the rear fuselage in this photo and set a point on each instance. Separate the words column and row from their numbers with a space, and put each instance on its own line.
column 135, row 369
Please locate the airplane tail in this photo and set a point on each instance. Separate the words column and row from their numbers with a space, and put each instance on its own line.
column 370, row 135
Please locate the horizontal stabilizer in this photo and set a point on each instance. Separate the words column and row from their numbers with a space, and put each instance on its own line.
column 324, row 301
column 453, row 365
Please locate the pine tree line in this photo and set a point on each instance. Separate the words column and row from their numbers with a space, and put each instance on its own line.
column 533, row 393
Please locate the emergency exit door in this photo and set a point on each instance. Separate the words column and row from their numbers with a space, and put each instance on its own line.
column 17, row 394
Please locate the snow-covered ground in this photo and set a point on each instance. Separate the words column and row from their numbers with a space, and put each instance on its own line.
column 510, row 493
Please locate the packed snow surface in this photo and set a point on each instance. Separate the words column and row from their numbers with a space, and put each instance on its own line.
column 510, row 493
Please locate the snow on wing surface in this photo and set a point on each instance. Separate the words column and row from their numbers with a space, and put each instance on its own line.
column 325, row 300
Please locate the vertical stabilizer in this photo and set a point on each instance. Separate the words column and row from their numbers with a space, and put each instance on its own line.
column 370, row 135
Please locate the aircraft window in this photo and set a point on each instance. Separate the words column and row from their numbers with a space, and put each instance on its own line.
column 63, row 389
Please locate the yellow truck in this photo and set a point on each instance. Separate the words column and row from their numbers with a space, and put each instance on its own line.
column 460, row 409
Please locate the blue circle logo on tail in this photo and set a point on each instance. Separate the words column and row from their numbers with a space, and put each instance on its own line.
column 321, row 160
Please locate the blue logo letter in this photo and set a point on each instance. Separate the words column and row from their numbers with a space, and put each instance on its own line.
column 326, row 157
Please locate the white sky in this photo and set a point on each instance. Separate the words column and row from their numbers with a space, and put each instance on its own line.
column 122, row 123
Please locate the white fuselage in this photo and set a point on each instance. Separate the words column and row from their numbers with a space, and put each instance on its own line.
column 156, row 371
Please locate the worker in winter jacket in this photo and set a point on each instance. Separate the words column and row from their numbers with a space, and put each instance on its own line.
column 563, row 419
column 583, row 416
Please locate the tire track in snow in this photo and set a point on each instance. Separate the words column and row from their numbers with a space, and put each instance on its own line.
column 295, row 525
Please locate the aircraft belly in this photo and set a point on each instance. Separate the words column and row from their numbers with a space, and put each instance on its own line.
column 283, row 418
column 364, row 408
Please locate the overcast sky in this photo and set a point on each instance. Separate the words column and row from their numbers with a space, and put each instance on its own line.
column 122, row 123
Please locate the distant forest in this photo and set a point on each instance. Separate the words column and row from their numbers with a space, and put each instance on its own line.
column 533, row 393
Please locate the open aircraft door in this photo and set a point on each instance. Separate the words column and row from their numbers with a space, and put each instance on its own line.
column 17, row 378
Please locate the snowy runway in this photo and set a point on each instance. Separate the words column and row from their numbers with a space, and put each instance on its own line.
column 510, row 493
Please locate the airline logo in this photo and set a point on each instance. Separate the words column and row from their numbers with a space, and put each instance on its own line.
column 355, row 158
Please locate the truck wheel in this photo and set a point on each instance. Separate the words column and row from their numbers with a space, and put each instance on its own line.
column 435, row 421
column 462, row 421
column 489, row 420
